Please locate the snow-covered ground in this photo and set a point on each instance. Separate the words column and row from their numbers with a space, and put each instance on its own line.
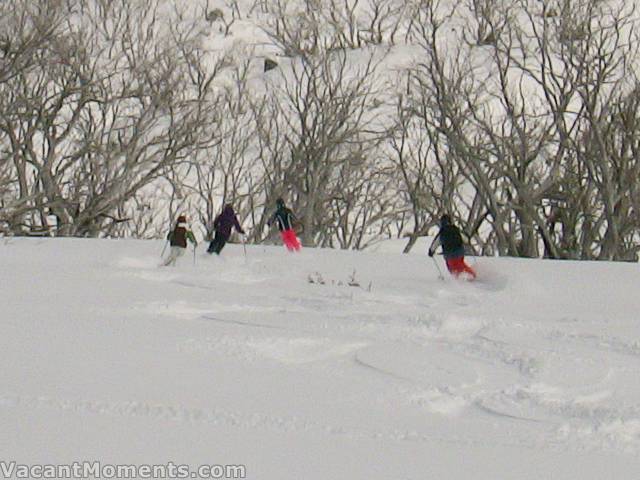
column 530, row 373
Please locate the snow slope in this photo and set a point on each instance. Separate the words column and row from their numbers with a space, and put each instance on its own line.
column 531, row 373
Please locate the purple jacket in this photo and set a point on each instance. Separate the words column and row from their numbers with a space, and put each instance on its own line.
column 226, row 221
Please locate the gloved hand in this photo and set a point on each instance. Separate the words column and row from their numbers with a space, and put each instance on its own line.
column 430, row 253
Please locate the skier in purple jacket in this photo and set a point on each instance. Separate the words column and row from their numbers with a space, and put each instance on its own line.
column 223, row 225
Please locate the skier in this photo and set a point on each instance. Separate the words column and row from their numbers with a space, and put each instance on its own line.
column 452, row 248
column 223, row 225
column 178, row 241
column 285, row 218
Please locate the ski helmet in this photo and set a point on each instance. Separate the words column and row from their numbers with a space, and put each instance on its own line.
column 445, row 220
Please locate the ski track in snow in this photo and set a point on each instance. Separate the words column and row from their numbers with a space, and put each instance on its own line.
column 518, row 397
column 241, row 420
column 478, row 353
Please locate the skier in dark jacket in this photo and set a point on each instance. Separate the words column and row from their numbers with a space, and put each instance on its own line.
column 223, row 224
column 452, row 248
column 285, row 218
column 178, row 240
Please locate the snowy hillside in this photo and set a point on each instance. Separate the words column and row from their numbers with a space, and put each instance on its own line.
column 531, row 373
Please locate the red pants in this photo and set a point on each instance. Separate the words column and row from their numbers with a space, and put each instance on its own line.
column 457, row 266
column 290, row 240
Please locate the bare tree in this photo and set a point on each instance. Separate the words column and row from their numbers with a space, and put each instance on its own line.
column 428, row 180
column 533, row 127
column 314, row 25
column 28, row 28
column 584, row 56
column 223, row 171
column 103, row 114
column 327, row 109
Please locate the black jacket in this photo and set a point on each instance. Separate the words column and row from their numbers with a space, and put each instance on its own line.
column 284, row 217
column 451, row 241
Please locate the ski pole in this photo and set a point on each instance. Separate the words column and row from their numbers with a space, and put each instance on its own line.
column 164, row 248
column 244, row 248
column 440, row 276
column 194, row 255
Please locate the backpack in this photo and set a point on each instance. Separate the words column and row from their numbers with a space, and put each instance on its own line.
column 178, row 237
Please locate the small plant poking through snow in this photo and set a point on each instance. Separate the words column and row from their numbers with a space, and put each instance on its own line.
column 316, row 278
